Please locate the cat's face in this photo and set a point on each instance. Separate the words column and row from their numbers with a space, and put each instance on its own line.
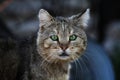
column 61, row 39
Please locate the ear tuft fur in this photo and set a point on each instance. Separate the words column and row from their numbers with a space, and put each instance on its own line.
column 44, row 17
column 82, row 18
column 85, row 18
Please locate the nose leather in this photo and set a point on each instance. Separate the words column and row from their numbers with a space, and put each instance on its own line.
column 63, row 46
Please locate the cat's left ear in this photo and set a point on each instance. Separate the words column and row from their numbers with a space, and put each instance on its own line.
column 82, row 18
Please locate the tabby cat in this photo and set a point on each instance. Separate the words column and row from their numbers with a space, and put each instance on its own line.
column 60, row 41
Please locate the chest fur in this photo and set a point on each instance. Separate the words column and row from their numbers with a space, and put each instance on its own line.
column 50, row 72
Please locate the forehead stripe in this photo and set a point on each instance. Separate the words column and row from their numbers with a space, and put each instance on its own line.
column 63, row 25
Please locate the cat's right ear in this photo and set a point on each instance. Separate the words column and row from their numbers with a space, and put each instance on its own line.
column 44, row 18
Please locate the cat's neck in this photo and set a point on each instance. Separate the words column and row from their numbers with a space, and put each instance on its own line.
column 60, row 67
column 58, row 71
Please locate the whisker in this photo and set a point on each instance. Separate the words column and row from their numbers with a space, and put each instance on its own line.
column 84, row 64
column 86, row 57
column 75, row 67
column 80, row 67
column 45, row 60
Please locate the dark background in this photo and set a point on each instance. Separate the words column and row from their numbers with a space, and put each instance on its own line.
column 18, row 19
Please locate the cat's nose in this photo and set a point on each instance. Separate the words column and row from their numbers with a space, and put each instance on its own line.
column 63, row 46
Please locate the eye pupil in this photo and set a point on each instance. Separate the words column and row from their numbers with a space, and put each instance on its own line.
column 54, row 37
column 72, row 37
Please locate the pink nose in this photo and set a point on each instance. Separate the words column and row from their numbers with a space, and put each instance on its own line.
column 63, row 46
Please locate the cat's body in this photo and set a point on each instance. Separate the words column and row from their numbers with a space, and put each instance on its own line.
column 48, row 57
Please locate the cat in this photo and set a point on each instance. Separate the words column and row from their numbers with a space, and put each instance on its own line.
column 60, row 41
column 25, row 59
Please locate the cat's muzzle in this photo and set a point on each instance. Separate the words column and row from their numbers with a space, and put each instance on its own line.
column 64, row 54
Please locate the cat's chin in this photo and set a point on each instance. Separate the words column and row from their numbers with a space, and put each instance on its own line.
column 64, row 58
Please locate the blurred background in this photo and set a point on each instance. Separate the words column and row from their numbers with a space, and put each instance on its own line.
column 19, row 20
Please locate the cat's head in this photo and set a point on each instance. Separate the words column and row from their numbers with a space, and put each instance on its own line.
column 62, row 39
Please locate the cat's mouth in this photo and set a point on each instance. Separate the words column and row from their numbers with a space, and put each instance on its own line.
column 64, row 56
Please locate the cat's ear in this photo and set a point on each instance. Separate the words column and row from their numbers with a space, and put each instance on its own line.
column 44, row 17
column 82, row 18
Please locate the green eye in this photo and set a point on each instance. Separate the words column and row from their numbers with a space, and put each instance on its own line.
column 72, row 37
column 54, row 37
